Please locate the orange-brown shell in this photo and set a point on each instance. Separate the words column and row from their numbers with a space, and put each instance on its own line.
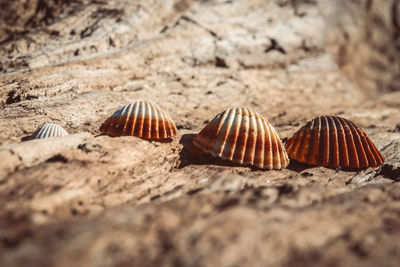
column 243, row 136
column 332, row 141
column 142, row 119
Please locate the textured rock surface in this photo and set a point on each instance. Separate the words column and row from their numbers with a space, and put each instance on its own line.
column 93, row 200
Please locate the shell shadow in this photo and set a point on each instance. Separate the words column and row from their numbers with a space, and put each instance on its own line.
column 189, row 155
column 388, row 171
column 27, row 138
column 300, row 167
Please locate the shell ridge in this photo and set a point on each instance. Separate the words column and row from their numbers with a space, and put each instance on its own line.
column 206, row 136
column 259, row 156
column 280, row 156
column 378, row 156
column 119, row 121
column 220, row 122
column 174, row 131
column 124, row 111
column 41, row 130
column 156, row 118
column 259, row 141
column 326, row 142
column 115, row 122
column 59, row 132
column 288, row 144
column 128, row 115
column 291, row 144
column 50, row 130
column 315, row 152
column 117, row 113
column 304, row 147
column 138, row 118
column 222, row 135
column 283, row 157
column 163, row 130
column 245, row 133
column 130, row 121
column 367, row 149
column 353, row 157
column 360, row 149
column 275, row 150
column 322, row 135
column 311, row 152
column 168, row 127
column 146, row 121
column 343, row 151
column 134, row 118
column 335, row 144
column 47, row 131
column 227, row 135
column 373, row 151
column 233, row 136
column 252, row 150
column 299, row 144
column 141, row 117
column 270, row 156
column 151, row 121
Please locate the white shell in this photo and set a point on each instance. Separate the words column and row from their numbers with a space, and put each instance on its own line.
column 49, row 130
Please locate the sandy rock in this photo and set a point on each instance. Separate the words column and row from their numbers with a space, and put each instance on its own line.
column 92, row 200
column 33, row 152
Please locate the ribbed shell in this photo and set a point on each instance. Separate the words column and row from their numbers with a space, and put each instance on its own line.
column 49, row 130
column 333, row 142
column 243, row 136
column 142, row 119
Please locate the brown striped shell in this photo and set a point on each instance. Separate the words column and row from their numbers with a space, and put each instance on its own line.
column 243, row 136
column 142, row 119
column 332, row 141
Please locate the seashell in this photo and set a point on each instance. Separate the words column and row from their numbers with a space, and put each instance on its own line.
column 142, row 119
column 243, row 136
column 49, row 130
column 333, row 142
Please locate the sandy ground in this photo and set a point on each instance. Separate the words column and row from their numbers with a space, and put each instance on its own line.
column 92, row 200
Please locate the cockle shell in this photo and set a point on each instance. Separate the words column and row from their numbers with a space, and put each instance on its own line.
column 49, row 130
column 332, row 141
column 142, row 119
column 243, row 136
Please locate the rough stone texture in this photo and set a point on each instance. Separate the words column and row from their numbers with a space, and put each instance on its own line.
column 93, row 200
